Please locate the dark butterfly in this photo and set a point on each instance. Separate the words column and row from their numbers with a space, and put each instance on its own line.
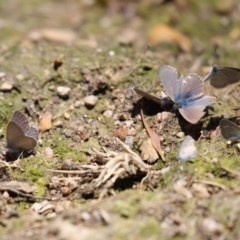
column 230, row 130
column 221, row 77
column 21, row 136
column 148, row 96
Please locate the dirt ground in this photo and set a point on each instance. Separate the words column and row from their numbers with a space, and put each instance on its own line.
column 70, row 67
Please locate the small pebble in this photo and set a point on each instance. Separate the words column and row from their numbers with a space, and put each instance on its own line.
column 2, row 74
column 19, row 77
column 108, row 113
column 111, row 53
column 5, row 195
column 66, row 191
column 90, row 101
column 85, row 216
column 67, row 115
column 67, row 133
column 6, row 86
column 78, row 104
column 48, row 152
column 129, row 141
column 63, row 92
column 67, row 164
column 180, row 134
column 58, row 123
column 11, row 212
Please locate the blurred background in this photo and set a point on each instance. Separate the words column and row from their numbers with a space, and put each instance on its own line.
column 207, row 28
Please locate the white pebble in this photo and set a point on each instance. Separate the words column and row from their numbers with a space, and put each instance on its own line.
column 111, row 53
column 48, row 152
column 90, row 101
column 63, row 91
column 6, row 86
column 108, row 113
column 180, row 134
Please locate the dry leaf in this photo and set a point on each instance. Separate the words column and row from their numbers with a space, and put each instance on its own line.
column 155, row 139
column 123, row 132
column 148, row 152
column 165, row 34
column 45, row 122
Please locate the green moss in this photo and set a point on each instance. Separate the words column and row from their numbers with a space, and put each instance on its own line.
column 149, row 228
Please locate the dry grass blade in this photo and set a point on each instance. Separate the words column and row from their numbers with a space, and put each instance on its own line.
column 100, row 180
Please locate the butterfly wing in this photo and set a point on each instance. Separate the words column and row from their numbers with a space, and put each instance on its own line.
column 221, row 77
column 188, row 149
column 195, row 111
column 230, row 130
column 148, row 96
column 191, row 87
column 14, row 135
column 181, row 90
column 19, row 134
column 33, row 133
column 20, row 119
column 27, row 143
column 170, row 81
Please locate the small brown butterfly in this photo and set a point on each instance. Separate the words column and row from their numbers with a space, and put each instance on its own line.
column 20, row 135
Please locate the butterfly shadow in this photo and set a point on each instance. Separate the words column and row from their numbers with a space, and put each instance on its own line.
column 151, row 108
column 215, row 122
column 13, row 155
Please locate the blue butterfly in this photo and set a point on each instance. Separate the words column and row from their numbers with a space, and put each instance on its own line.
column 187, row 92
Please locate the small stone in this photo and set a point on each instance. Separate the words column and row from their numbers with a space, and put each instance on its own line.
column 78, row 104
column 6, row 86
column 20, row 77
column 63, row 92
column 48, row 152
column 180, row 134
column 111, row 53
column 58, row 123
column 2, row 74
column 90, row 101
column 11, row 212
column 67, row 133
column 67, row 115
column 66, row 191
column 85, row 216
column 108, row 113
column 129, row 141
column 67, row 164
column 5, row 195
